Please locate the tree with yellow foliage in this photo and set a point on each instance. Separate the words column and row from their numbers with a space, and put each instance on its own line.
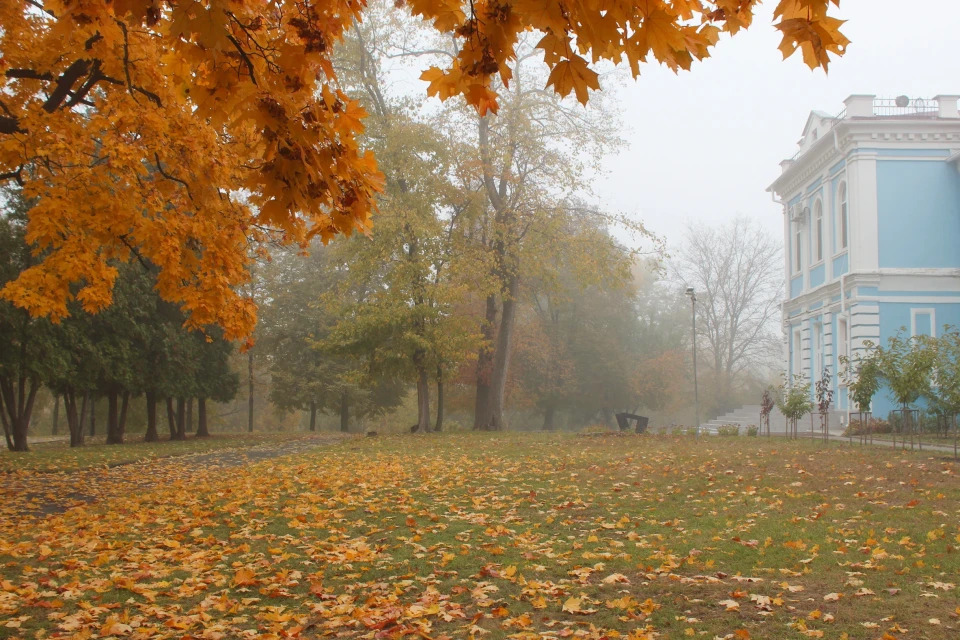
column 178, row 133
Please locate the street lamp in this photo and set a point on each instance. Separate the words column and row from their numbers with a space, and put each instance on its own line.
column 696, row 392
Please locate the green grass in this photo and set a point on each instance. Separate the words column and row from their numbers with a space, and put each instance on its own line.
column 508, row 535
column 59, row 456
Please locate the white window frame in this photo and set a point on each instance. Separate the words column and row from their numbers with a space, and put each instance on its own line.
column 817, row 226
column 923, row 311
column 843, row 217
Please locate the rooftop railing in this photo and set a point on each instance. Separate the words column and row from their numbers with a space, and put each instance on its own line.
column 884, row 108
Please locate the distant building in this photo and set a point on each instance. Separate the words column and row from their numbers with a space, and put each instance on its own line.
column 871, row 224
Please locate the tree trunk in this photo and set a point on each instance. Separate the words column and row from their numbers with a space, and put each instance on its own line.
column 501, row 358
column 439, row 425
column 548, row 415
column 18, row 399
column 171, row 419
column 313, row 416
column 152, row 435
column 181, row 419
column 6, row 425
column 202, row 431
column 93, row 415
column 113, row 419
column 481, row 411
column 56, row 415
column 423, row 396
column 124, row 405
column 75, row 417
column 250, row 391
column 344, row 413
column 189, row 415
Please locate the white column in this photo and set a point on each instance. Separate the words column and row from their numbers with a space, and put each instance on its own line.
column 863, row 230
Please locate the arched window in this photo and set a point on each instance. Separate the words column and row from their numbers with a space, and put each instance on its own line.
column 844, row 221
column 818, row 231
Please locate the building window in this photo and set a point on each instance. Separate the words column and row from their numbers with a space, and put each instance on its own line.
column 923, row 322
column 844, row 221
column 818, row 230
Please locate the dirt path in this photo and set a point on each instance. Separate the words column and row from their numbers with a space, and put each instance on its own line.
column 27, row 496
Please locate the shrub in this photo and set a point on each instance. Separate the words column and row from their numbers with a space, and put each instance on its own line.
column 728, row 430
column 691, row 431
column 875, row 425
column 677, row 430
column 753, row 431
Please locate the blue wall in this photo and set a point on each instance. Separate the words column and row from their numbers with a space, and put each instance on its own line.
column 796, row 286
column 841, row 264
column 893, row 316
column 918, row 214
column 817, row 276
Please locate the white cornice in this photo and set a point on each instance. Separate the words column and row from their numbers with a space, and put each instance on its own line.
column 826, row 292
column 851, row 133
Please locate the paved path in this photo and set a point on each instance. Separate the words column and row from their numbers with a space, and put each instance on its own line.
column 877, row 442
column 36, row 495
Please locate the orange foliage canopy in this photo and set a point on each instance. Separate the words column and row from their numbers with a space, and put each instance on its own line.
column 673, row 32
column 181, row 133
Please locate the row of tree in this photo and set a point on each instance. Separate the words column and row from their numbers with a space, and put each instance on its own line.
column 137, row 346
column 915, row 369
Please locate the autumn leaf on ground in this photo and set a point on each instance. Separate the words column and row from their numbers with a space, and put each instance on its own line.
column 243, row 577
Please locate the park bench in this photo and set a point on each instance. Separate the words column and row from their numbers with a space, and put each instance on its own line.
column 623, row 420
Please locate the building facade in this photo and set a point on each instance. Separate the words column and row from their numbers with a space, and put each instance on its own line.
column 871, row 223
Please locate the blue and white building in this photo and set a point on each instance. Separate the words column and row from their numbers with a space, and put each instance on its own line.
column 871, row 224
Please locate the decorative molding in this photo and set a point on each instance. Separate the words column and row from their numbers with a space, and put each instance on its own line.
column 845, row 135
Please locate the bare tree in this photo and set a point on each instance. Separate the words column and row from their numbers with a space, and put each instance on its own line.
column 737, row 272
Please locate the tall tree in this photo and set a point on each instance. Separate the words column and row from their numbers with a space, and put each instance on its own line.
column 737, row 271
column 27, row 351
column 166, row 113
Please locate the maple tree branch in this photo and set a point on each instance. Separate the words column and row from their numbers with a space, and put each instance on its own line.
column 170, row 177
column 243, row 56
column 28, row 74
column 135, row 252
column 81, row 93
column 65, row 84
column 126, row 58
column 10, row 124
column 17, row 176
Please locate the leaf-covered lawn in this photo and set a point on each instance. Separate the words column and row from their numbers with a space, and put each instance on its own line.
column 56, row 456
column 506, row 535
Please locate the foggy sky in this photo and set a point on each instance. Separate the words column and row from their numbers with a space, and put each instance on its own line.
column 705, row 144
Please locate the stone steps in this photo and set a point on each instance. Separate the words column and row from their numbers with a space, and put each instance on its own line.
column 750, row 415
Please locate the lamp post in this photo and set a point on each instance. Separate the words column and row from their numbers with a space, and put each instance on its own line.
column 696, row 391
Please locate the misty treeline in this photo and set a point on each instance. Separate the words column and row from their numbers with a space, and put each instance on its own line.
column 489, row 286
column 488, row 283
